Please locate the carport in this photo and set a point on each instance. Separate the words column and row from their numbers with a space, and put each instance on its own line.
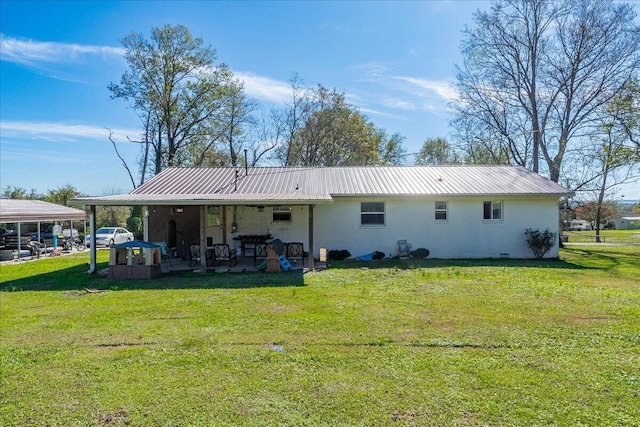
column 21, row 211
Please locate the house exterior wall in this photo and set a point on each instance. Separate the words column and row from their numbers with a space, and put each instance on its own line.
column 252, row 220
column 465, row 234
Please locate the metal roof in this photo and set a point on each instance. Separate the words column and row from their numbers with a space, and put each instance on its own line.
column 297, row 185
column 18, row 210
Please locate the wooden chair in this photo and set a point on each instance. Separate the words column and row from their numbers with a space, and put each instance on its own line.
column 222, row 252
column 294, row 251
column 260, row 252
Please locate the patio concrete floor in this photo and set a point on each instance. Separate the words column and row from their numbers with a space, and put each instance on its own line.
column 244, row 264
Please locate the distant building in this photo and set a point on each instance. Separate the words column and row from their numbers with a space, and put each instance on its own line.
column 628, row 221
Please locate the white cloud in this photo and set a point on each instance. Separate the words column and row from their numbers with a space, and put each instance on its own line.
column 442, row 88
column 265, row 88
column 401, row 104
column 371, row 71
column 31, row 52
column 62, row 131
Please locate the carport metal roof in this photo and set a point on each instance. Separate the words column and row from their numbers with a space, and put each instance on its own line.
column 15, row 210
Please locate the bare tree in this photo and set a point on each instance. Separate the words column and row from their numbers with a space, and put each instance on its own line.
column 537, row 72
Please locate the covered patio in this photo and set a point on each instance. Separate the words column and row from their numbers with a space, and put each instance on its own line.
column 185, row 208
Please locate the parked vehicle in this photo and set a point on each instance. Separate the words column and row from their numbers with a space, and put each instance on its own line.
column 579, row 225
column 107, row 236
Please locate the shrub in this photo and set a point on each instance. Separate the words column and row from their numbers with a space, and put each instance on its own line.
column 338, row 254
column 377, row 255
column 420, row 253
column 540, row 242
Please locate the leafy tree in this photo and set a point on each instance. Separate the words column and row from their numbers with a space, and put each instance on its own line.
column 177, row 89
column 596, row 212
column 11, row 192
column 436, row 151
column 112, row 216
column 391, row 149
column 324, row 130
column 62, row 195
column 536, row 73
column 135, row 221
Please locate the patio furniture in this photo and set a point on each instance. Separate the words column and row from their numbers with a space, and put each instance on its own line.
column 194, row 255
column 249, row 241
column 403, row 249
column 260, row 252
column 222, row 252
column 294, row 251
column 164, row 252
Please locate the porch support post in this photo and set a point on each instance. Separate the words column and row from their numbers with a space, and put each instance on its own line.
column 145, row 223
column 311, row 251
column 223, row 210
column 203, row 238
column 93, row 266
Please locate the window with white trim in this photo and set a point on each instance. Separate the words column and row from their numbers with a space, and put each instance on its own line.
column 281, row 214
column 441, row 211
column 372, row 213
column 493, row 210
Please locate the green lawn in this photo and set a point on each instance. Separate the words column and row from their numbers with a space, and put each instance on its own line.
column 482, row 342
column 606, row 236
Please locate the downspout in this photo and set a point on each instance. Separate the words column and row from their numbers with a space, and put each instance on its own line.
column 311, row 259
column 19, row 241
column 203, row 238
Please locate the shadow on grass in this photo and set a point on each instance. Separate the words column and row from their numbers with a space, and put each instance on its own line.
column 438, row 263
column 76, row 278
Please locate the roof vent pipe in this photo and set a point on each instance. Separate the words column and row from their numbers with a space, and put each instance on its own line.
column 246, row 165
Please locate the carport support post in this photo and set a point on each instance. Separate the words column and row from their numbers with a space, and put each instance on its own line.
column 203, row 238
column 311, row 259
column 93, row 267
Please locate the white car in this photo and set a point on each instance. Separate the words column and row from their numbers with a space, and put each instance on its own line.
column 107, row 236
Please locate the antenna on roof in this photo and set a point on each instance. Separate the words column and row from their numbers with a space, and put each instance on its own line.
column 246, row 165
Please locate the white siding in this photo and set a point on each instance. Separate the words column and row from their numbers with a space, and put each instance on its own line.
column 251, row 221
column 464, row 235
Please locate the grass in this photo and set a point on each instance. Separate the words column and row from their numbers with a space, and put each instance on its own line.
column 606, row 236
column 435, row 342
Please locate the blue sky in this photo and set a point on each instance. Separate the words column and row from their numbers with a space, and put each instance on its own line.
column 394, row 60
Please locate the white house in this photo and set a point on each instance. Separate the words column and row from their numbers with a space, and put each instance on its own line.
column 454, row 211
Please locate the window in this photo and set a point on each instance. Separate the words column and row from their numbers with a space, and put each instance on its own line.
column 282, row 214
column 441, row 211
column 493, row 210
column 372, row 213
